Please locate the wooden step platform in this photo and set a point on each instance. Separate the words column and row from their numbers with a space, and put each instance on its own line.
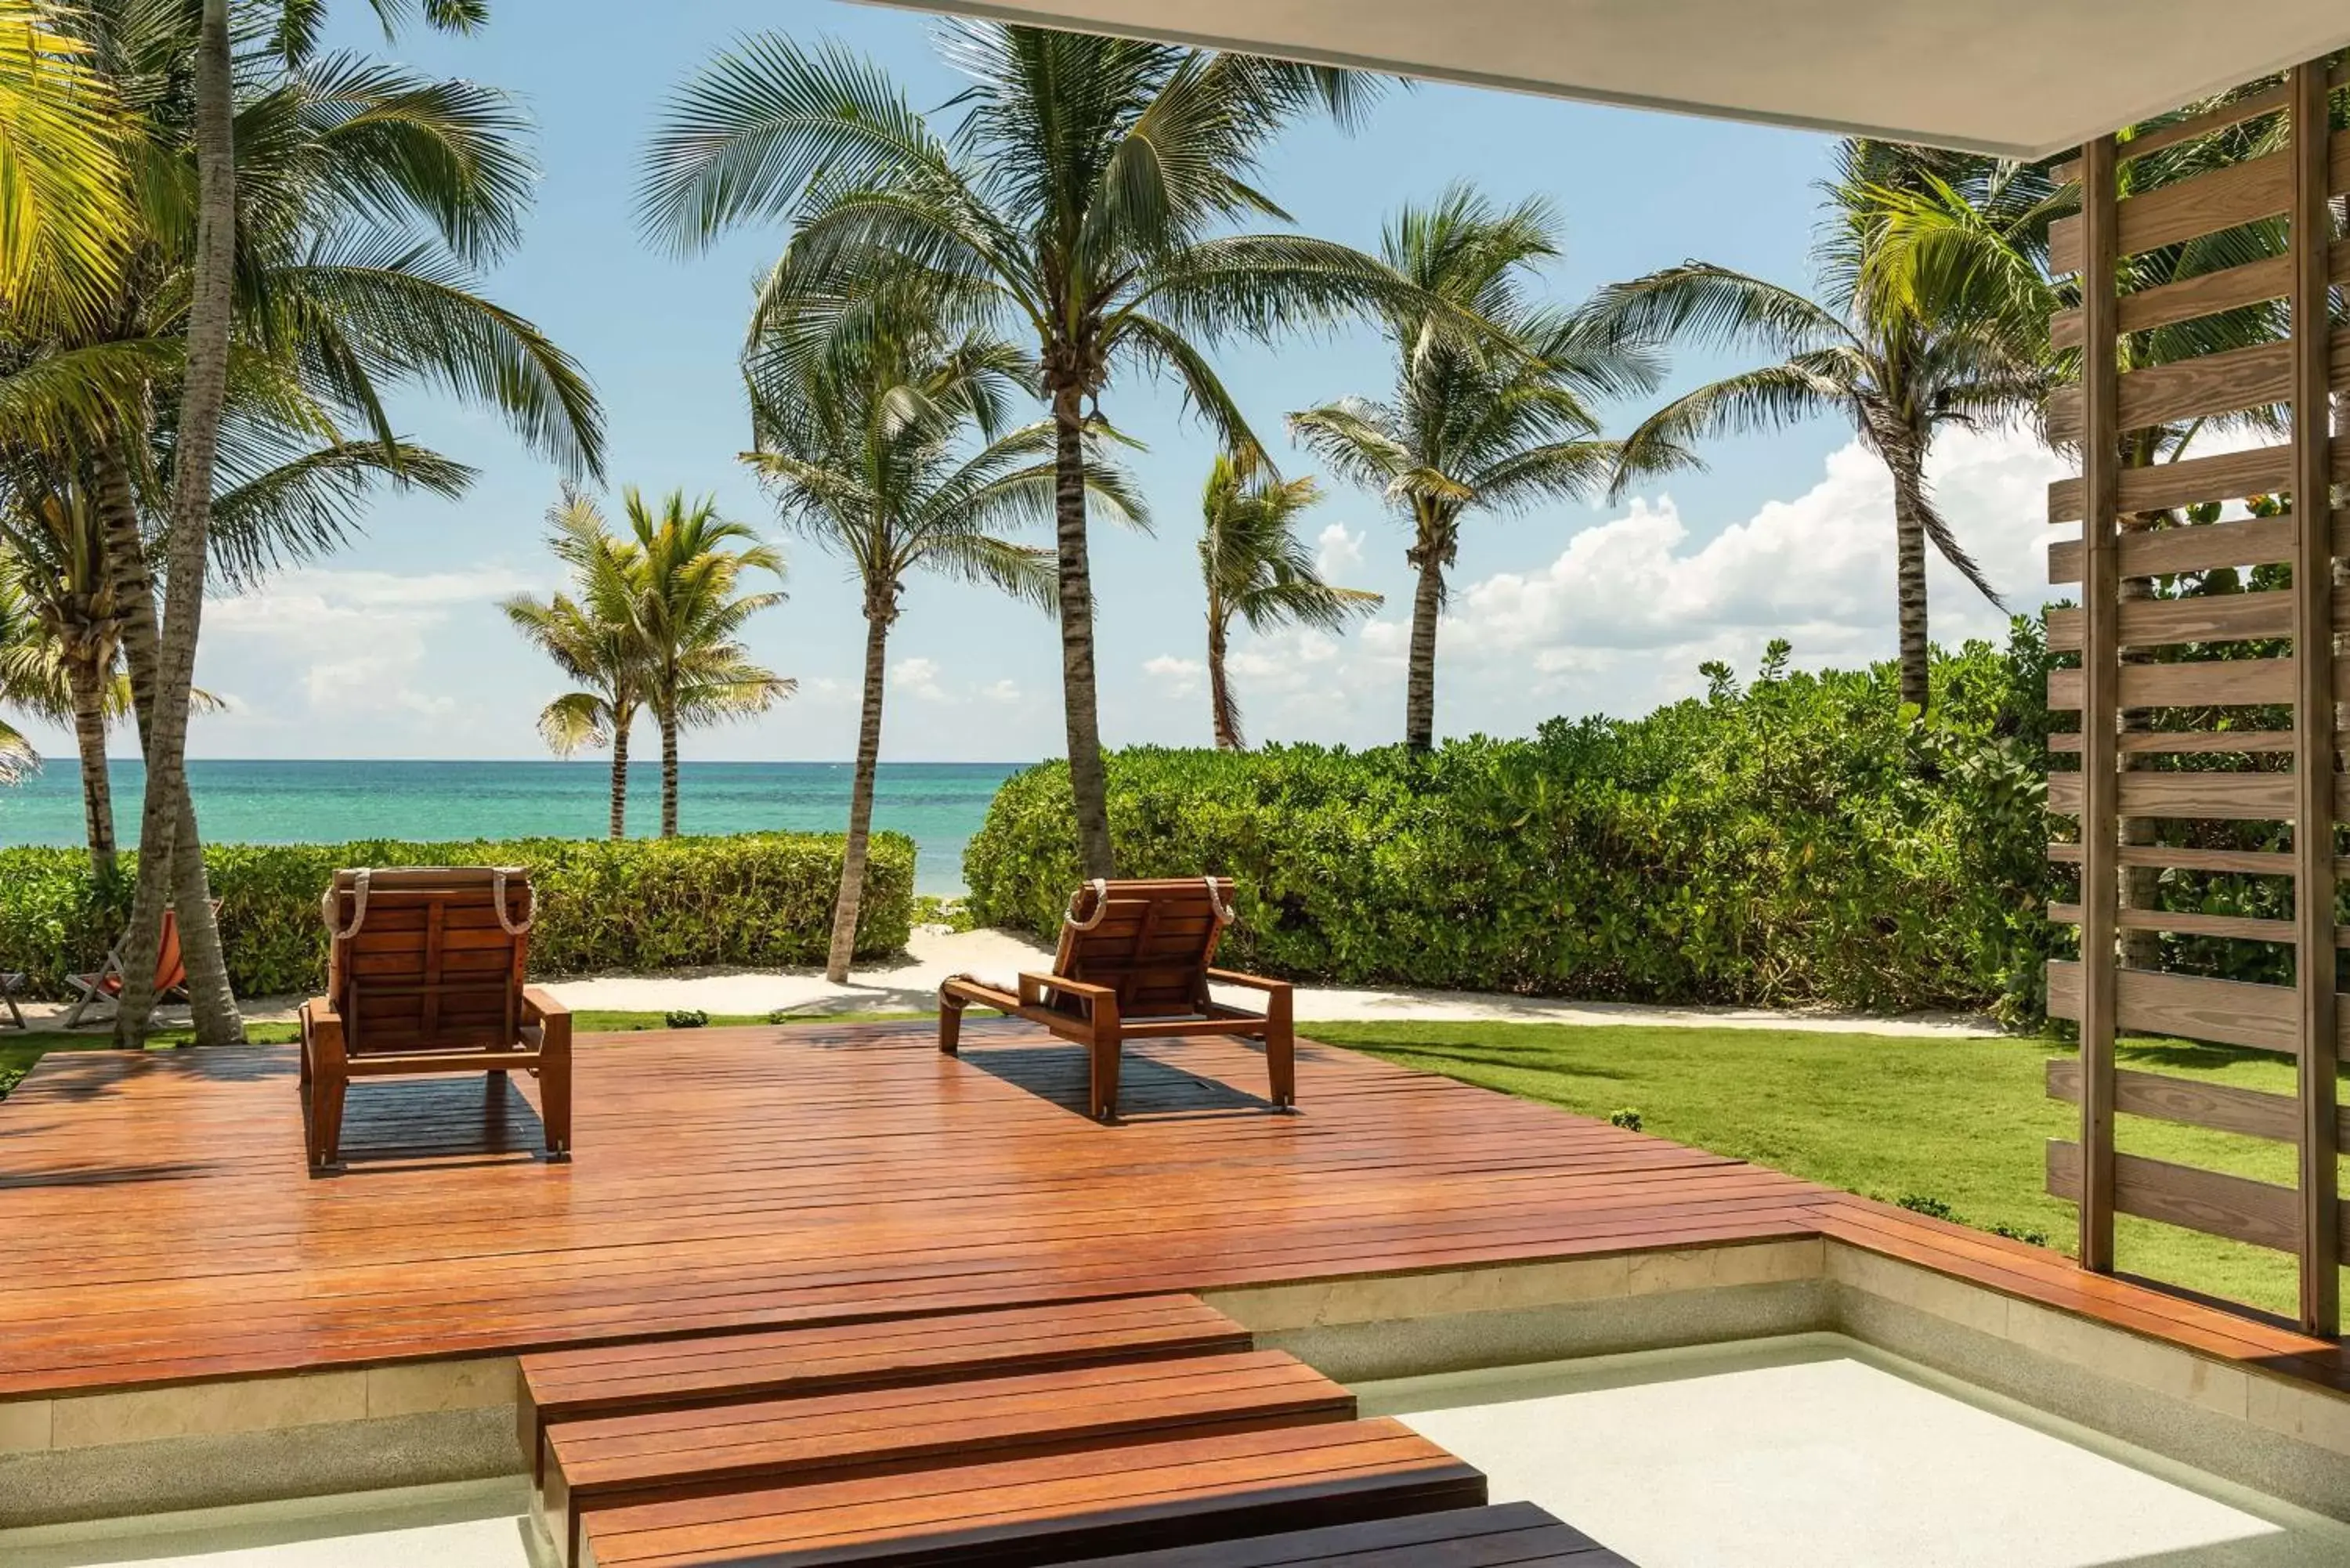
column 717, row 1368
column 1053, row 1508
column 1507, row 1535
column 696, row 1451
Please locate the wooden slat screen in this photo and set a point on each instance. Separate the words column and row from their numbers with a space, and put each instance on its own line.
column 2207, row 744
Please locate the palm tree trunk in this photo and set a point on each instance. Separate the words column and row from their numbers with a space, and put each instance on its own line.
column 1909, row 576
column 1088, row 776
column 205, row 391
column 1427, row 555
column 1219, row 692
column 212, row 1000
column 860, row 798
column 89, row 688
column 669, row 773
column 621, row 779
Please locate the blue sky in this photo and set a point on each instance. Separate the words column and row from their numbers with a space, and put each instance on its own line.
column 394, row 649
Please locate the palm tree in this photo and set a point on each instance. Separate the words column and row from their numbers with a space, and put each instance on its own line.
column 369, row 198
column 1082, row 200
column 1898, row 353
column 587, row 633
column 1468, row 428
column 683, row 616
column 1255, row 566
column 56, row 547
column 888, row 449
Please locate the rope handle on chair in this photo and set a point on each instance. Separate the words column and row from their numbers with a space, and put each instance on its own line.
column 1102, row 905
column 1215, row 901
column 498, row 876
column 359, row 907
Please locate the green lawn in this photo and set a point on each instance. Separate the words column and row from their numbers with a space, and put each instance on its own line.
column 1961, row 1121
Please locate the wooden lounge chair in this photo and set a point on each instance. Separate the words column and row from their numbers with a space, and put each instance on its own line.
column 11, row 982
column 105, row 987
column 1134, row 963
column 425, row 975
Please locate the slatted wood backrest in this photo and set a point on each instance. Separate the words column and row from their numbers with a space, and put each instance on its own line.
column 2208, row 743
column 1151, row 940
column 430, row 967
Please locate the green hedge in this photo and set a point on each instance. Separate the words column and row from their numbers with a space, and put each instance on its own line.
column 761, row 899
column 1803, row 840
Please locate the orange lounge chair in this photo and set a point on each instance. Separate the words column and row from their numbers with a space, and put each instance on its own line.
column 1134, row 963
column 105, row 986
column 425, row 975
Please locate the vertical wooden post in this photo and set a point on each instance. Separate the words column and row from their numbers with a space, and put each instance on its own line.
column 2101, row 692
column 2313, row 734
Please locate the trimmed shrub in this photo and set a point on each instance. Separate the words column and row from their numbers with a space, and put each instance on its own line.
column 1802, row 840
column 759, row 899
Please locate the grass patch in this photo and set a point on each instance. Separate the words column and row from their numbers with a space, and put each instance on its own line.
column 1960, row 1123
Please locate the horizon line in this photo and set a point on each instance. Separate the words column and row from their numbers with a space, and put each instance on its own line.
column 604, row 763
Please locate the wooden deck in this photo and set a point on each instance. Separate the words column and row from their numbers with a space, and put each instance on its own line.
column 161, row 1226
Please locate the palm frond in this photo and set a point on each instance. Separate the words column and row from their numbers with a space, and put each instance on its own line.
column 576, row 721
column 311, row 504
column 1162, row 347
column 401, row 315
column 1028, row 573
column 384, row 145
column 1700, row 303
column 759, row 124
column 1770, row 398
column 66, row 225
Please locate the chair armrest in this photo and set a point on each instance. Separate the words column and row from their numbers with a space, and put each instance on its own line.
column 1252, row 981
column 322, row 1031
column 538, row 1005
column 958, row 990
column 1032, row 988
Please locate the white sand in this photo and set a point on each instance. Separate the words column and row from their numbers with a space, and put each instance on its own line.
column 910, row 983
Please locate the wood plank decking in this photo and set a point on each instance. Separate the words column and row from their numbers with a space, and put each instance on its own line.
column 161, row 1228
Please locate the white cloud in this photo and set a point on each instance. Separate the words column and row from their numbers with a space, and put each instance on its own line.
column 1623, row 614
column 1337, row 553
column 918, row 678
column 925, row 679
column 1175, row 677
column 353, row 642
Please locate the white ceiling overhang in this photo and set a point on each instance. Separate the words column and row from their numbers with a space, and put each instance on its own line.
column 2020, row 78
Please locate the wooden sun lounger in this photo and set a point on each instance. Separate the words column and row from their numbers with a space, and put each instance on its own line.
column 425, row 975
column 105, row 987
column 1134, row 963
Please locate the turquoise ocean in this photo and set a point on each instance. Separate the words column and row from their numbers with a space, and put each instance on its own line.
column 938, row 804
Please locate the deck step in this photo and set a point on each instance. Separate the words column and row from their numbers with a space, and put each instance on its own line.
column 1051, row 1508
column 1506, row 1535
column 673, row 1374
column 709, row 1449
